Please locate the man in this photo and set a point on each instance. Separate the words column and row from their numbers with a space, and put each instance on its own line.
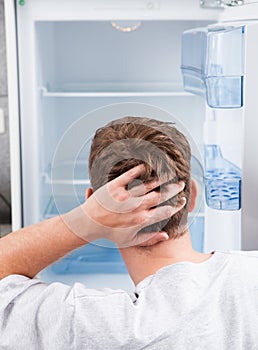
column 183, row 299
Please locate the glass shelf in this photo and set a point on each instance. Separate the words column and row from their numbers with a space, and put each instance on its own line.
column 69, row 181
column 68, row 173
column 52, row 211
column 103, row 89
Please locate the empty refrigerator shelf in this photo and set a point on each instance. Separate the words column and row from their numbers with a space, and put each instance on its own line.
column 113, row 89
column 68, row 173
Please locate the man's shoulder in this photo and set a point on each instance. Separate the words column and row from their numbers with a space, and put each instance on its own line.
column 242, row 264
column 240, row 257
column 240, row 254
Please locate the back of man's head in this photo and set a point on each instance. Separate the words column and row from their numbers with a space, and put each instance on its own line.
column 129, row 141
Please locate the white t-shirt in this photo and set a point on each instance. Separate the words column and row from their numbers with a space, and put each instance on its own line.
column 209, row 305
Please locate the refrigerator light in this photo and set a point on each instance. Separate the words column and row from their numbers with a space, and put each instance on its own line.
column 123, row 27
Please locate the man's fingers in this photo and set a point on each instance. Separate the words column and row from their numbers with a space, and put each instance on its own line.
column 128, row 176
column 149, row 239
column 147, row 187
column 144, row 188
column 155, row 198
column 163, row 213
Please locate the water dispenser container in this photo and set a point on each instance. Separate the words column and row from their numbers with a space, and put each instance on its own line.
column 222, row 181
column 213, row 64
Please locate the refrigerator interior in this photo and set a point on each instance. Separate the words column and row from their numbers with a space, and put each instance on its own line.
column 85, row 65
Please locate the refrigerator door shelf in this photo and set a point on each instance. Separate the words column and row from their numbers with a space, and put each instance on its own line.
column 213, row 64
column 223, row 194
column 222, row 181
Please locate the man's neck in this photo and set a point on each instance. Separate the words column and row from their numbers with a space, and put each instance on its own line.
column 142, row 262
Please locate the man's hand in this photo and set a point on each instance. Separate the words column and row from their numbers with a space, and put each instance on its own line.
column 118, row 214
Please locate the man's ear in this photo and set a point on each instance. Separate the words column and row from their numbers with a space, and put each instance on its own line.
column 88, row 193
column 194, row 191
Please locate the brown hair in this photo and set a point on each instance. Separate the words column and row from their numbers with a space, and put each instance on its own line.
column 129, row 141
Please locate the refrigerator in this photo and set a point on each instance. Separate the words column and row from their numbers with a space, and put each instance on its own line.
column 75, row 65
